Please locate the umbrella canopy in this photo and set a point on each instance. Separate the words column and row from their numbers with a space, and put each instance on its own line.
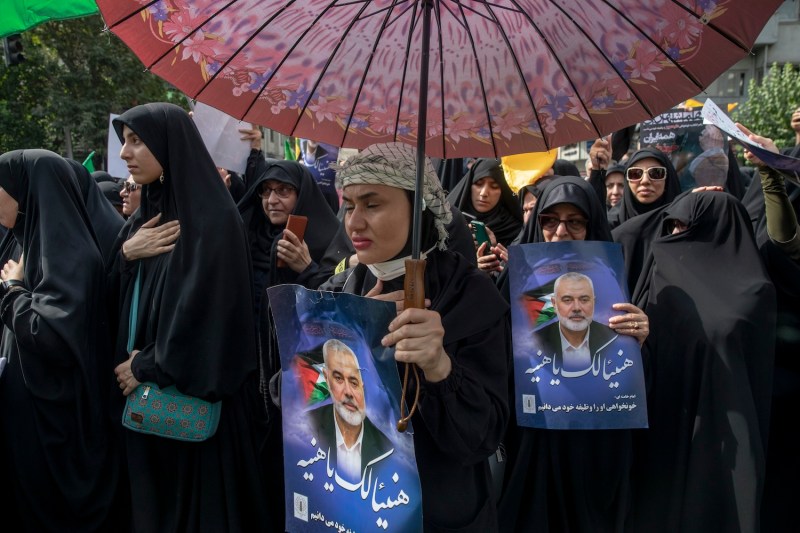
column 504, row 77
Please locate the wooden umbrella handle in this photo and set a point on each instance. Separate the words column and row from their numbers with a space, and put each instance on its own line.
column 414, row 296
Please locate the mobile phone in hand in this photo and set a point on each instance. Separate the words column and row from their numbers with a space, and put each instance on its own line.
column 481, row 236
column 297, row 225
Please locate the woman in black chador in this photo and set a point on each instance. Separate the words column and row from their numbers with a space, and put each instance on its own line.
column 198, row 332
column 645, row 190
column 484, row 195
column 58, row 464
column 700, row 465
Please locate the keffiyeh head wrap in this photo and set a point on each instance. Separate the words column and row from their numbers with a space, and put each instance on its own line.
column 395, row 164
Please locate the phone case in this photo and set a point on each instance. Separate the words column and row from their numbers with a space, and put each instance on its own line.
column 480, row 232
column 297, row 225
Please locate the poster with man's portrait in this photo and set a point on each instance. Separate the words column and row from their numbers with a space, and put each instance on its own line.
column 571, row 370
column 347, row 467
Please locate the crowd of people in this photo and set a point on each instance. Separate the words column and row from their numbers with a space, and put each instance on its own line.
column 712, row 270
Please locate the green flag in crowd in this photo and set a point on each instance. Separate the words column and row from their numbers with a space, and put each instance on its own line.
column 20, row 15
column 89, row 162
column 288, row 154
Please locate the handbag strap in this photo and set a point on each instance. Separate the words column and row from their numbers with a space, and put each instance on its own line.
column 133, row 317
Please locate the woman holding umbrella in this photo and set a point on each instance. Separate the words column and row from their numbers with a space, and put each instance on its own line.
column 462, row 353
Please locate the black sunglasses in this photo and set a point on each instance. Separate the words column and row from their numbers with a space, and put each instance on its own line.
column 130, row 187
column 573, row 225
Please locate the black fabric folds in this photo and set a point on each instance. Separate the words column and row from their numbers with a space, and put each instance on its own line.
column 54, row 389
column 106, row 221
column 196, row 330
column 505, row 219
column 564, row 480
column 204, row 278
column 783, row 461
column 700, row 465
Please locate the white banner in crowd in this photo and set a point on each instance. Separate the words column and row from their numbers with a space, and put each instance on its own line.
column 221, row 135
column 116, row 166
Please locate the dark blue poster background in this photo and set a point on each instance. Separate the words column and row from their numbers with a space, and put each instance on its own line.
column 608, row 393
column 321, row 495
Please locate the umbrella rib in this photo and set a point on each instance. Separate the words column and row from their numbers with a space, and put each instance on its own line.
column 405, row 67
column 674, row 63
column 383, row 27
column 453, row 13
column 438, row 14
column 133, row 13
column 289, row 52
column 714, row 27
column 480, row 78
column 176, row 45
column 561, row 66
column 519, row 71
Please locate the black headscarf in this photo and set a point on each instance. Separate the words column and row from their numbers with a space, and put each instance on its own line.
column 101, row 176
column 709, row 370
column 106, row 221
column 55, row 386
column 629, row 206
column 111, row 190
column 571, row 190
column 505, row 219
column 322, row 222
column 206, row 278
column 564, row 167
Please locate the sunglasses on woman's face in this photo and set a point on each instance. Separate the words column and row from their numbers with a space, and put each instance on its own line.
column 654, row 173
column 130, row 187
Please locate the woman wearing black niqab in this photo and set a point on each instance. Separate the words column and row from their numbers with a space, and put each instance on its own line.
column 700, row 465
column 198, row 334
column 58, row 457
column 631, row 206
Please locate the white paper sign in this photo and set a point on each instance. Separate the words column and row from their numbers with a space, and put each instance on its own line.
column 115, row 165
column 712, row 114
column 221, row 135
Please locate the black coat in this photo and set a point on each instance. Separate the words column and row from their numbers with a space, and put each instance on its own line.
column 461, row 419
column 59, row 461
column 196, row 331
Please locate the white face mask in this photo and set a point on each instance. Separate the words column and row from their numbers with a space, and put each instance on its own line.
column 389, row 270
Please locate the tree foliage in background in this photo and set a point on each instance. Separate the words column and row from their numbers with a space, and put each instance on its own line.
column 770, row 104
column 74, row 76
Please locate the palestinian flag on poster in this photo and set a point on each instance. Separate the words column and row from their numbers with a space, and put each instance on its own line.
column 538, row 303
column 312, row 380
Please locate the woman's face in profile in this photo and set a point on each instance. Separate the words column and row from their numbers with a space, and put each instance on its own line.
column 485, row 194
column 9, row 209
column 377, row 219
column 143, row 166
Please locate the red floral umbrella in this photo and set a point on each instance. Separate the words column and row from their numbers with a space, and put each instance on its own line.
column 504, row 76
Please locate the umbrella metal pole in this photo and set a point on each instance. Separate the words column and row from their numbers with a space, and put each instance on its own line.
column 422, row 117
column 414, row 282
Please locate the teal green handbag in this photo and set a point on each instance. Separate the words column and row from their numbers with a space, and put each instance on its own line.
column 166, row 412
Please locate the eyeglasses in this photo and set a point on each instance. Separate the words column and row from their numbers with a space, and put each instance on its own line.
column 573, row 225
column 130, row 187
column 654, row 173
column 283, row 191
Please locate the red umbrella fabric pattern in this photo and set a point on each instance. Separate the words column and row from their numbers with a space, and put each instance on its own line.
column 505, row 76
